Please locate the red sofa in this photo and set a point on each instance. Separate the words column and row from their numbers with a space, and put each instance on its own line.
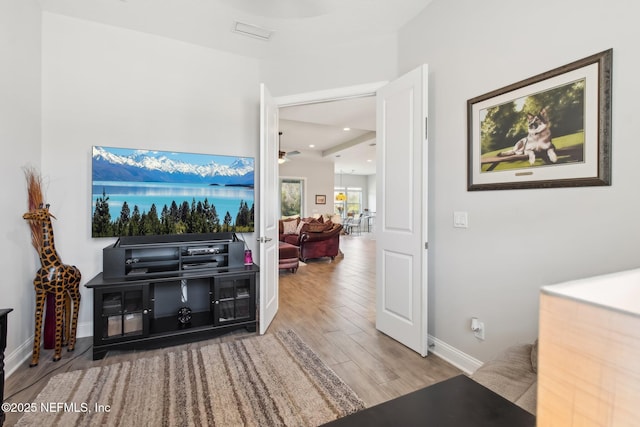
column 315, row 239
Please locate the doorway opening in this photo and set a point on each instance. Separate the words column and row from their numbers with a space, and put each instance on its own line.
column 336, row 126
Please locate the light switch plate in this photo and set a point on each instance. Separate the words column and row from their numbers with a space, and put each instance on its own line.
column 460, row 220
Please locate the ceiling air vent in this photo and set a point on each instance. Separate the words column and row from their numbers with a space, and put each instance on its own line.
column 251, row 31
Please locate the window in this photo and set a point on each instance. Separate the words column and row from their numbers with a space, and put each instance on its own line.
column 339, row 197
column 291, row 196
column 354, row 201
column 347, row 200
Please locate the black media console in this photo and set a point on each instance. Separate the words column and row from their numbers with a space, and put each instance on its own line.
column 167, row 290
column 3, row 345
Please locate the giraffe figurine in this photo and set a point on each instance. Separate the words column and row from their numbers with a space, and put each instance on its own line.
column 60, row 279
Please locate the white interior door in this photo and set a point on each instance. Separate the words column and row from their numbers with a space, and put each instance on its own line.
column 401, row 223
column 268, row 222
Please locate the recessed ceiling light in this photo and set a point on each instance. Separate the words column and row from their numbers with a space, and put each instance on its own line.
column 311, row 146
column 346, row 129
column 369, row 160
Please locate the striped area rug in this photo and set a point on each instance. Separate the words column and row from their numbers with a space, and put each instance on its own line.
column 270, row 380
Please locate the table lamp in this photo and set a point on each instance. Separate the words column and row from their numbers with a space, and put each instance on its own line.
column 589, row 352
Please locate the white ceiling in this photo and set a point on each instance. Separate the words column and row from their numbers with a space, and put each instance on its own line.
column 322, row 125
column 297, row 25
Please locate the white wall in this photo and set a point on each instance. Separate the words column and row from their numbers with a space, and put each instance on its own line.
column 519, row 240
column 319, row 180
column 114, row 87
column 371, row 193
column 20, row 49
column 349, row 64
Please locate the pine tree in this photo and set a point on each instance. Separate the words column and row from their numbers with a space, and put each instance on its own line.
column 165, row 220
column 206, row 212
column 184, row 211
column 174, row 212
column 101, row 222
column 135, row 225
column 215, row 219
column 242, row 219
column 227, row 221
column 154, row 222
column 122, row 223
column 125, row 212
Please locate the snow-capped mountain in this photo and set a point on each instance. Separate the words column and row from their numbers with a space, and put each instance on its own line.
column 158, row 167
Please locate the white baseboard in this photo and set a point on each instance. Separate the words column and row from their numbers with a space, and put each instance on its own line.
column 454, row 356
column 440, row 348
column 24, row 351
column 84, row 330
column 17, row 357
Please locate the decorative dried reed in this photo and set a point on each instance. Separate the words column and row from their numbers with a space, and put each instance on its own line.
column 35, row 200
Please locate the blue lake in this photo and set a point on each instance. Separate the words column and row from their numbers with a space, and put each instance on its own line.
column 144, row 194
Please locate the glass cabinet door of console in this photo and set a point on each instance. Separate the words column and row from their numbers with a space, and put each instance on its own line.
column 122, row 313
column 233, row 300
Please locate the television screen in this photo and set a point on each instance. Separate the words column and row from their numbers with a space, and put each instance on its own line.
column 144, row 192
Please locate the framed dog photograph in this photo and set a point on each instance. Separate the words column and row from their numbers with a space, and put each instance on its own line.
column 321, row 199
column 551, row 130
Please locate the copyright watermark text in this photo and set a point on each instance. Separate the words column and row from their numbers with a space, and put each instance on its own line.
column 54, row 407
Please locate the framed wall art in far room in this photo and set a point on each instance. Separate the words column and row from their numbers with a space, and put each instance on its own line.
column 321, row 199
column 551, row 130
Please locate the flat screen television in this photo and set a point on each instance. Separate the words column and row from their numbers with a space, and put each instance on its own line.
column 144, row 192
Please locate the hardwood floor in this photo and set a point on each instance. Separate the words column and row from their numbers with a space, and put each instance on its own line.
column 329, row 304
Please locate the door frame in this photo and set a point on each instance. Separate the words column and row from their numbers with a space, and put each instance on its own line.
column 329, row 95
column 341, row 93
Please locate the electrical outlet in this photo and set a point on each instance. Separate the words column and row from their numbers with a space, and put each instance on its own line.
column 480, row 332
column 477, row 327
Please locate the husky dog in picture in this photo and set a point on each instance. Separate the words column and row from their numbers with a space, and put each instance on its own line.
column 537, row 142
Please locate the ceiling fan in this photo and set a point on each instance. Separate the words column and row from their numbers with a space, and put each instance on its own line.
column 284, row 156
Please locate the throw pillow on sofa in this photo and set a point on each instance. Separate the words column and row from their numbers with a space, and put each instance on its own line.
column 289, row 227
column 281, row 222
column 301, row 226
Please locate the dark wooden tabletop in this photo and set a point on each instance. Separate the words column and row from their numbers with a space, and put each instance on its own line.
column 458, row 401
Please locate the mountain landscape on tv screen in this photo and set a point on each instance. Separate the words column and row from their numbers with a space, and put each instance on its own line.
column 142, row 192
column 142, row 166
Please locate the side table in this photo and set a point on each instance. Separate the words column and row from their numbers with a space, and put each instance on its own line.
column 3, row 345
column 458, row 401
